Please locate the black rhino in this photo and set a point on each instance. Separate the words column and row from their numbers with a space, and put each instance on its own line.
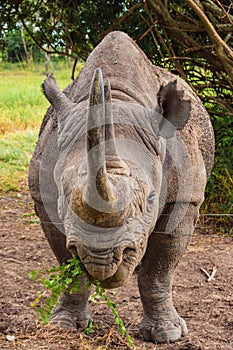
column 118, row 176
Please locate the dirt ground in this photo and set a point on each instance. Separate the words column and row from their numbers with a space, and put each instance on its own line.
column 206, row 306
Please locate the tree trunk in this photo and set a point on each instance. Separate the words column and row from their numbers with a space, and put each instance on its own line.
column 24, row 46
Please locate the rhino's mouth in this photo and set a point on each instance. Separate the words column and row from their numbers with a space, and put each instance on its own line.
column 124, row 271
column 113, row 266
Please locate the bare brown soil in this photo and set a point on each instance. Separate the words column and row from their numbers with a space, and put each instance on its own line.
column 206, row 306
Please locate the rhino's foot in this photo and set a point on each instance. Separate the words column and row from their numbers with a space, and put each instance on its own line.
column 166, row 329
column 72, row 311
column 66, row 319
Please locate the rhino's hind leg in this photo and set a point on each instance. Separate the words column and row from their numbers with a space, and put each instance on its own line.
column 72, row 310
column 161, row 322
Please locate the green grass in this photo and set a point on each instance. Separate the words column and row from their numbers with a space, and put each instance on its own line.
column 22, row 103
column 15, row 153
column 22, row 108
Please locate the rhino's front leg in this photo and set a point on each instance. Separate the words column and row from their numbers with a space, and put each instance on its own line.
column 72, row 311
column 161, row 322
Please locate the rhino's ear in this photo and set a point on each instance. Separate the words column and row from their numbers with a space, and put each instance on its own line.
column 58, row 99
column 174, row 108
column 65, row 110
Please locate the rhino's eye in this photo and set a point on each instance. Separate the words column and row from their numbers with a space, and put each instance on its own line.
column 151, row 197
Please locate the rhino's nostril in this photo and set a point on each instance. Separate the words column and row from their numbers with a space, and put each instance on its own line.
column 72, row 248
column 128, row 251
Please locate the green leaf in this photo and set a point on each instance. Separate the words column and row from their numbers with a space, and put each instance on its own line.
column 89, row 330
column 130, row 341
column 117, row 320
column 111, row 304
column 33, row 275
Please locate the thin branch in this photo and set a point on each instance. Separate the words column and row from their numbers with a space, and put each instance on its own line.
column 73, row 69
column 38, row 44
column 46, row 39
column 183, row 58
column 213, row 273
column 129, row 11
column 166, row 21
column 198, row 48
column 221, row 102
column 147, row 31
column 121, row 19
column 209, row 28
column 230, row 17
column 153, row 26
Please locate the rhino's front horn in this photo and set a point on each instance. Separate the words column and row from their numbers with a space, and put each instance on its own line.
column 97, row 179
column 98, row 201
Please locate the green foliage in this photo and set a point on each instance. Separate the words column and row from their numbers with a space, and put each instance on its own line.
column 14, row 50
column 59, row 26
column 62, row 278
column 66, row 278
column 171, row 33
column 219, row 192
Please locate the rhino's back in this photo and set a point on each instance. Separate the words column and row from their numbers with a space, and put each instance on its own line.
column 130, row 72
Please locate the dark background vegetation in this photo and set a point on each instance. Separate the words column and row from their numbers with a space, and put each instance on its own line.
column 191, row 38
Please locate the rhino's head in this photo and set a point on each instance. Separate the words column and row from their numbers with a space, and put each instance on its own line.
column 109, row 177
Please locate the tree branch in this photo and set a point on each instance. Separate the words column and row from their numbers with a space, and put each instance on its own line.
column 36, row 41
column 209, row 28
column 121, row 19
column 230, row 17
column 166, row 21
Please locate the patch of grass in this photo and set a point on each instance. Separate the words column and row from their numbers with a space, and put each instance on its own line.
column 22, row 104
column 15, row 153
column 22, row 108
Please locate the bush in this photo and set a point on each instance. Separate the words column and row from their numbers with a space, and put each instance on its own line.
column 219, row 192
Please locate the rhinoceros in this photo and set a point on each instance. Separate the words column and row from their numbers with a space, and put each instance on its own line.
column 118, row 176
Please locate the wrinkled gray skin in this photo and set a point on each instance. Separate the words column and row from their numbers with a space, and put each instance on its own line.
column 157, row 157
